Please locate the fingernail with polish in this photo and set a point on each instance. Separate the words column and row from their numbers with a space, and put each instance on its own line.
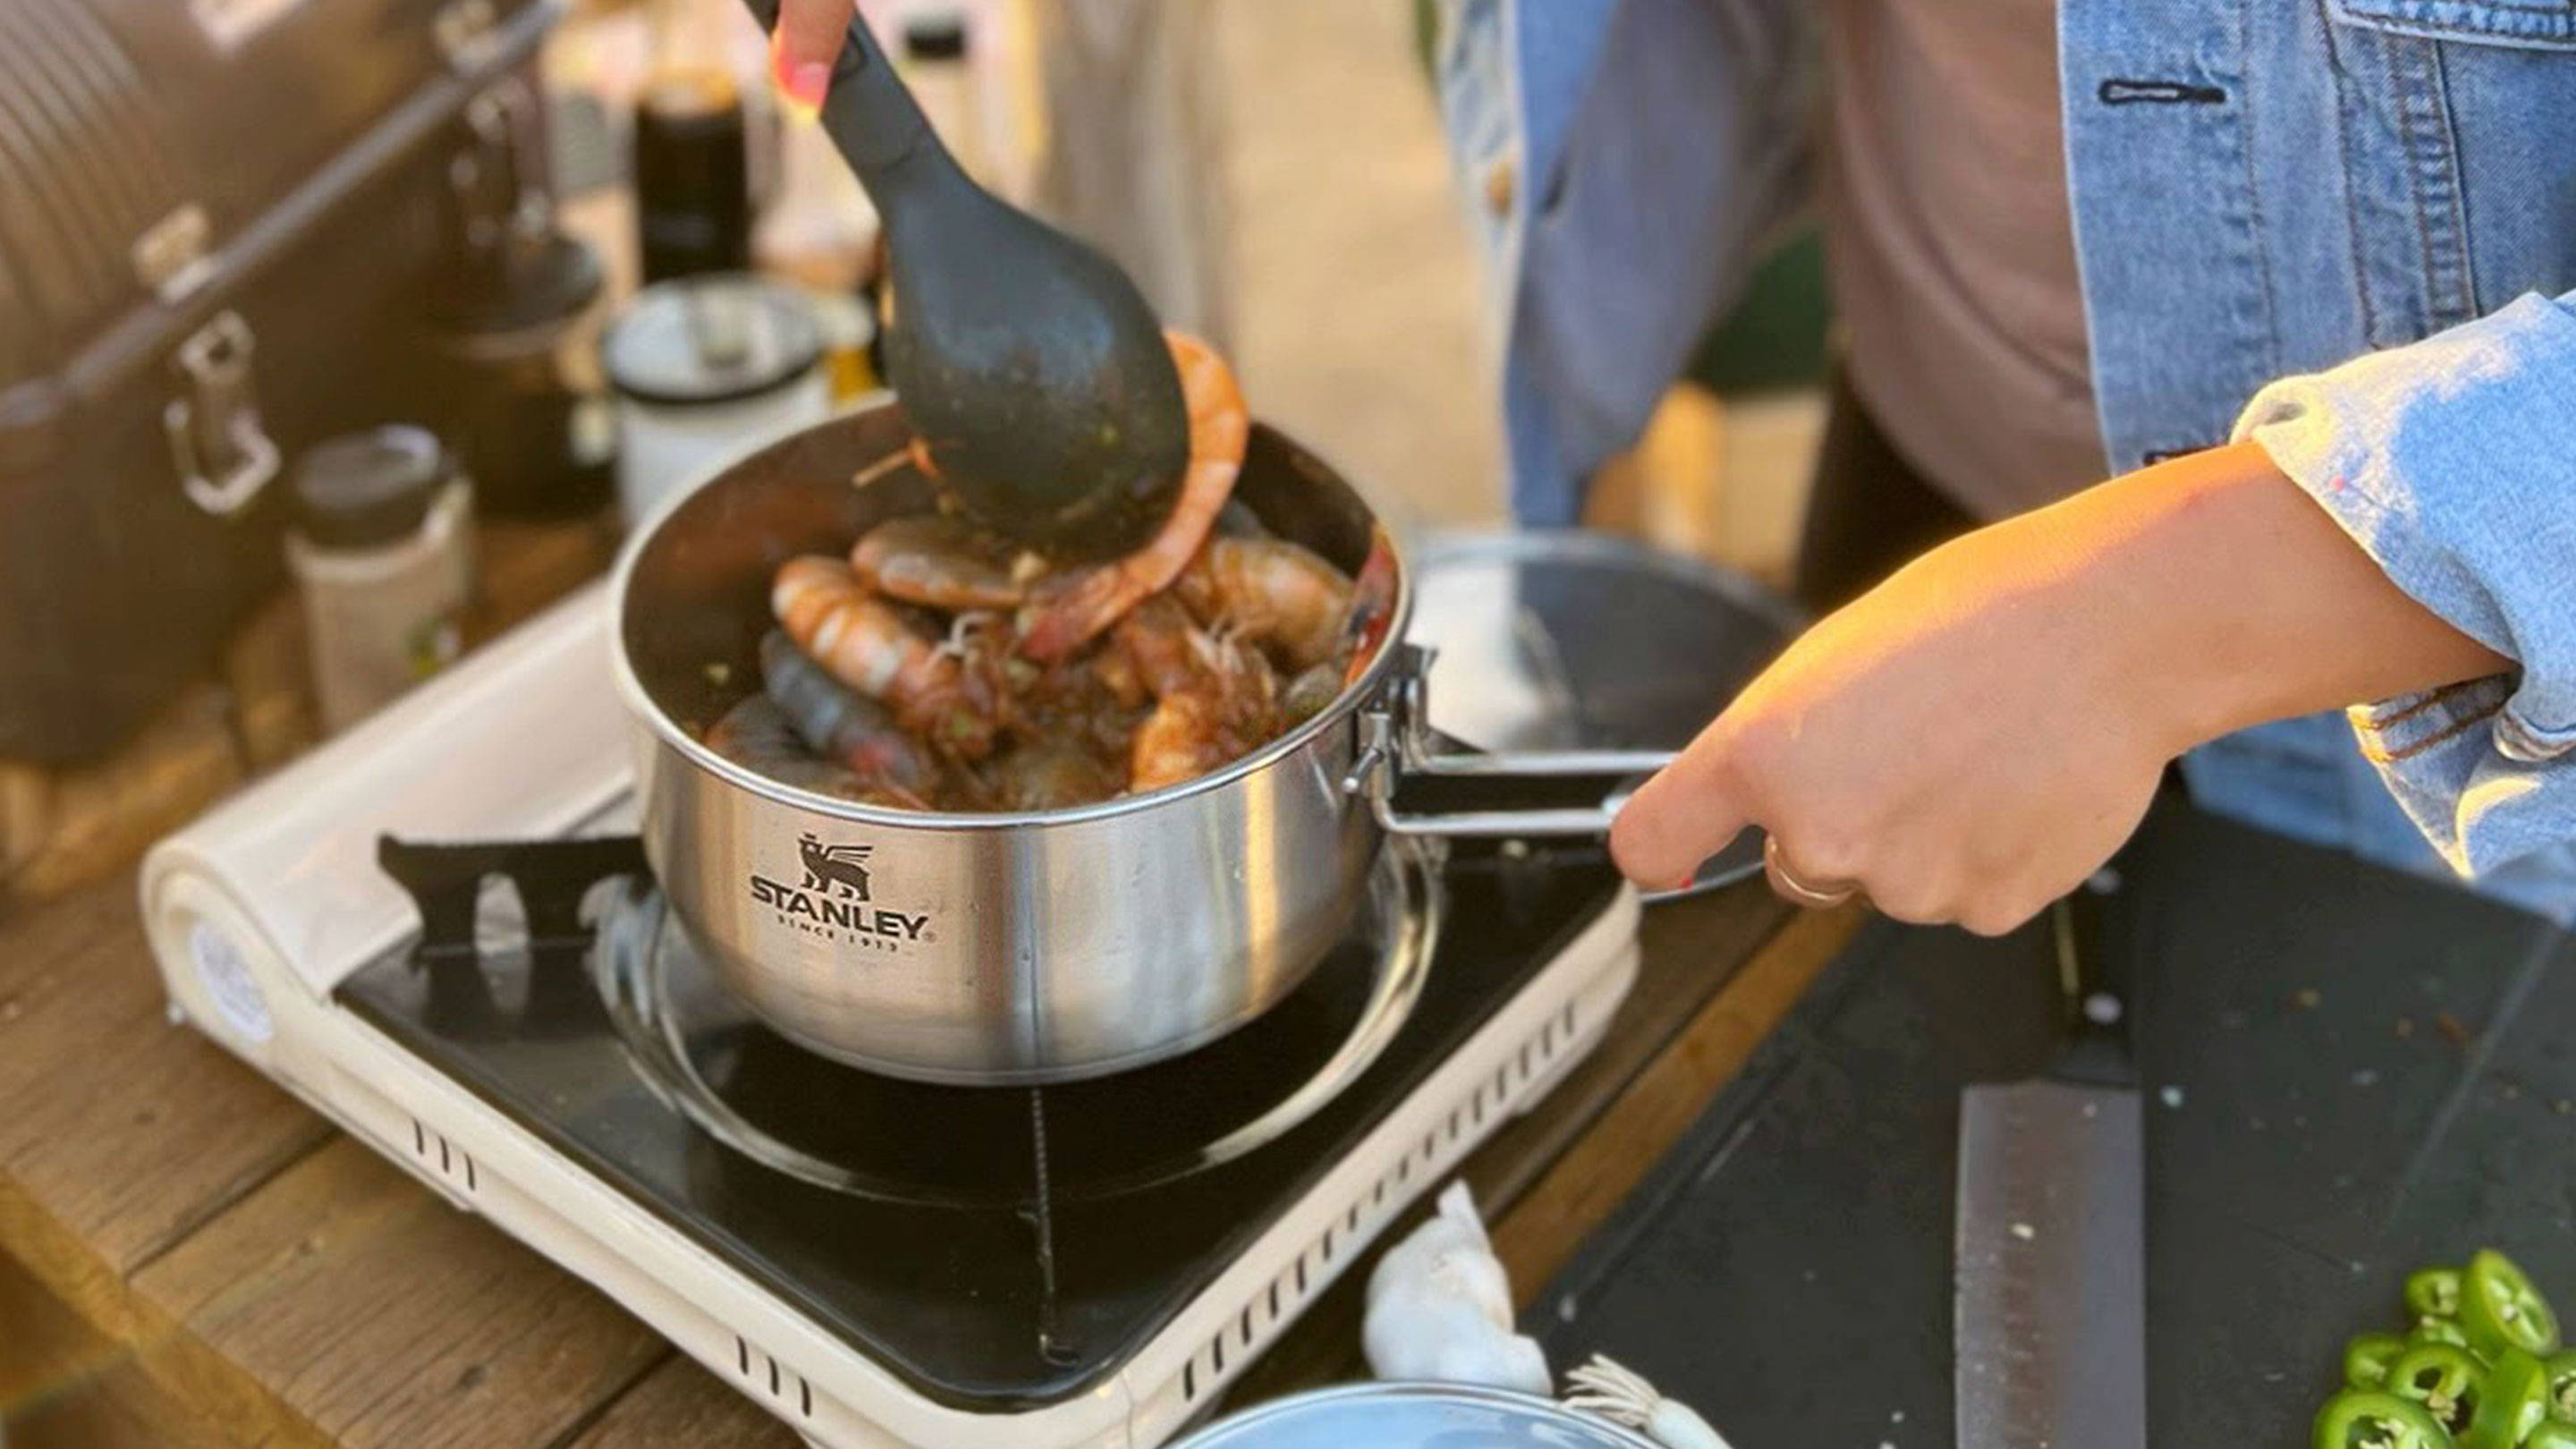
column 807, row 83
column 802, row 82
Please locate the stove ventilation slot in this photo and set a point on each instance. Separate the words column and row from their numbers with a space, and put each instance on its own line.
column 450, row 1163
column 1439, row 1149
column 761, row 1374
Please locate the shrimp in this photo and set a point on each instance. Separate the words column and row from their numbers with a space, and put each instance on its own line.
column 925, row 558
column 1310, row 693
column 1368, row 608
column 1052, row 774
column 1372, row 608
column 1237, row 520
column 838, row 723
column 1271, row 592
column 756, row 735
column 868, row 645
column 1215, row 701
column 1068, row 610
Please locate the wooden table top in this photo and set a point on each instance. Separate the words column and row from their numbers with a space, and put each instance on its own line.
column 190, row 1257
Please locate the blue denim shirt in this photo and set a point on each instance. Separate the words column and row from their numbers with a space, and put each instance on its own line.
column 2346, row 231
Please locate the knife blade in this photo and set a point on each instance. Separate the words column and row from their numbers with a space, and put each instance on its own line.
column 2049, row 1327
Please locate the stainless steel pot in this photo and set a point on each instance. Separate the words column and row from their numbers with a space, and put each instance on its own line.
column 997, row 949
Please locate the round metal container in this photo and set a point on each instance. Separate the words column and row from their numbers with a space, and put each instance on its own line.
column 983, row 949
column 1413, row 1416
column 704, row 368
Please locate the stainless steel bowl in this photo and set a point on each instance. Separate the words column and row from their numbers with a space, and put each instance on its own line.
column 1413, row 1416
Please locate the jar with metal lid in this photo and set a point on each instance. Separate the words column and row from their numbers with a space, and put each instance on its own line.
column 382, row 551
column 521, row 390
column 706, row 368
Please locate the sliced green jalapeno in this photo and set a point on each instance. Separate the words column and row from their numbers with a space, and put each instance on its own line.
column 2499, row 1308
column 2366, row 1359
column 2361, row 1419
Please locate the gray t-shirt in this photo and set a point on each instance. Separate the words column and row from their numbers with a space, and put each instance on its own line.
column 1951, row 249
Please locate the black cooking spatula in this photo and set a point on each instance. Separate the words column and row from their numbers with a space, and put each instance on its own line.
column 1026, row 361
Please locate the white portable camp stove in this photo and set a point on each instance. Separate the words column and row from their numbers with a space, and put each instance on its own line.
column 876, row 1262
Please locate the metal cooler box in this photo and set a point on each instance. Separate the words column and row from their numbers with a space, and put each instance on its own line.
column 217, row 218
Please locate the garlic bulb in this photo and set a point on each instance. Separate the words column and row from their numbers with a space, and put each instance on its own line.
column 1440, row 1308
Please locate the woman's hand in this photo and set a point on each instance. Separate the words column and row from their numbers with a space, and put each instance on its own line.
column 1978, row 734
column 803, row 47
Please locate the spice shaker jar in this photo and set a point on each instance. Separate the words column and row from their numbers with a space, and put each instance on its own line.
column 705, row 369
column 382, row 551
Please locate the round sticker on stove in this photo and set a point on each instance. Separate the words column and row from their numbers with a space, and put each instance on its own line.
column 229, row 983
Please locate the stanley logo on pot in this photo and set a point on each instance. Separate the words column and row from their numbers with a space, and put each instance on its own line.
column 840, row 867
column 834, row 900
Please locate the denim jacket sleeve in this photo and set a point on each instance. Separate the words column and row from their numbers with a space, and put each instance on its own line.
column 1621, row 161
column 2453, row 462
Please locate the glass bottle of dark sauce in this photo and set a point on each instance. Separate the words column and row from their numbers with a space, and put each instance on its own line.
column 693, row 209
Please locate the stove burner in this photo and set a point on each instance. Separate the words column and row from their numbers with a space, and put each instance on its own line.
column 857, row 1132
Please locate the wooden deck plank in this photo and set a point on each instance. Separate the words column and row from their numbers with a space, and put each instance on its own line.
column 682, row 1406
column 344, row 1304
column 523, row 567
column 130, row 1150
column 268, row 669
column 26, row 818
column 65, row 1385
column 101, row 817
column 118, row 1131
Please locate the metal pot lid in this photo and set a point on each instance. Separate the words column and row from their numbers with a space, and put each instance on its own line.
column 1413, row 1416
column 1567, row 640
column 710, row 339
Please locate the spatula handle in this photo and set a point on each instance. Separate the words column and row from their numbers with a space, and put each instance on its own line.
column 870, row 114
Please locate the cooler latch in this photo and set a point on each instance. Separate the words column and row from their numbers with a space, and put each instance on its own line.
column 222, row 455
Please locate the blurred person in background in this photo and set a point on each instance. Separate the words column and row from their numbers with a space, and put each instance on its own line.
column 2294, row 279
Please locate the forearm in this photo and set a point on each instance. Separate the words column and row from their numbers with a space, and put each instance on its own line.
column 2231, row 598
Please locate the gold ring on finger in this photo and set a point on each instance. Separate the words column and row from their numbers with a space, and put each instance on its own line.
column 1814, row 897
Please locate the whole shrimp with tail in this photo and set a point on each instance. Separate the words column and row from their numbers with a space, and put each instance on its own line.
column 869, row 645
column 842, row 725
column 1068, row 610
column 1214, row 700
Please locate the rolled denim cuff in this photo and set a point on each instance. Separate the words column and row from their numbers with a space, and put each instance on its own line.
column 2452, row 462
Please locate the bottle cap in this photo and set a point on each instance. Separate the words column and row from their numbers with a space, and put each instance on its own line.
column 369, row 489
column 935, row 34
column 714, row 338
